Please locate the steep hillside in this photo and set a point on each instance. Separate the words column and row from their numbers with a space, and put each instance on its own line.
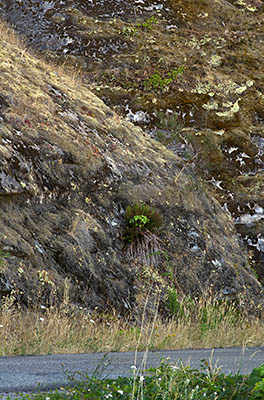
column 70, row 167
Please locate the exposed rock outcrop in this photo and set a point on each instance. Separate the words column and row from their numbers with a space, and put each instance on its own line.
column 69, row 167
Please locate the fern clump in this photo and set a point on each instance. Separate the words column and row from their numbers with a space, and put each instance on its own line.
column 141, row 218
column 144, row 223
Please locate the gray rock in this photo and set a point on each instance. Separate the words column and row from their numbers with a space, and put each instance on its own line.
column 5, row 285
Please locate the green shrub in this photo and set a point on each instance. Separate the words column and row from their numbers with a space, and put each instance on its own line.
column 148, row 24
column 156, row 81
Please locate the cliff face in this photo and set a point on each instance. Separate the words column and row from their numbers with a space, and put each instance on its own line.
column 70, row 166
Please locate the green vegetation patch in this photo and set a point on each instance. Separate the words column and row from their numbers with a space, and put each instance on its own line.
column 157, row 81
column 141, row 218
column 3, row 255
column 148, row 24
column 143, row 226
column 166, row 382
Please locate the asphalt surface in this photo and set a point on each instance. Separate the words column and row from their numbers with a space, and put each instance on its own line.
column 47, row 372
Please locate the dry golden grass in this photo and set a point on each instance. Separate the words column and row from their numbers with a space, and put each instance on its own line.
column 54, row 332
column 25, row 82
column 10, row 38
column 28, row 83
column 47, row 102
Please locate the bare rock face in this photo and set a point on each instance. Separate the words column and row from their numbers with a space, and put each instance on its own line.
column 69, row 167
column 5, row 285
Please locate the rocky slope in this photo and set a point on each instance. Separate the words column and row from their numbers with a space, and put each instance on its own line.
column 189, row 73
column 70, row 166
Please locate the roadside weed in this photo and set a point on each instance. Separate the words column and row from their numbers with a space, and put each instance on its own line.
column 166, row 382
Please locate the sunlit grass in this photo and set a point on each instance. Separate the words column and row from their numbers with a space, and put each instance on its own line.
column 194, row 325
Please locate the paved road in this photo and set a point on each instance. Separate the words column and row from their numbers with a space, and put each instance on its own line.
column 30, row 373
